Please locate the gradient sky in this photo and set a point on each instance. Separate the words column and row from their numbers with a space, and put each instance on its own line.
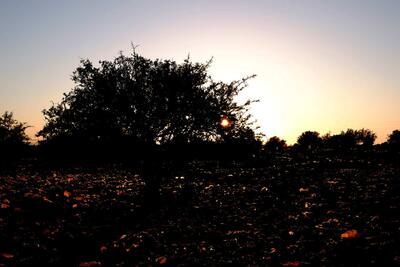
column 321, row 65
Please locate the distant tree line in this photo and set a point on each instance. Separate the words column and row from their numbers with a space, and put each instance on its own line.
column 346, row 140
column 14, row 145
column 312, row 142
column 14, row 139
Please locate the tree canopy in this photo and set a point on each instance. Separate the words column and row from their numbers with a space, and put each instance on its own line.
column 149, row 101
column 394, row 140
column 275, row 144
column 12, row 132
column 350, row 139
column 309, row 141
column 13, row 140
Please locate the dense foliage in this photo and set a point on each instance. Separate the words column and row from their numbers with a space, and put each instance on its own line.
column 12, row 132
column 394, row 140
column 13, row 140
column 350, row 139
column 149, row 101
column 309, row 141
column 275, row 145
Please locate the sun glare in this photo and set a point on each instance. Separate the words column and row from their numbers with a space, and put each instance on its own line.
column 225, row 122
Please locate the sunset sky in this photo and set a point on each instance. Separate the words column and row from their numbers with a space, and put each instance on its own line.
column 320, row 65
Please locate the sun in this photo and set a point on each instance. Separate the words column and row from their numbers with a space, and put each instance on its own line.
column 225, row 122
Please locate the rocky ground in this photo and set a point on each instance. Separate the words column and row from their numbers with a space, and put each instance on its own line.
column 282, row 213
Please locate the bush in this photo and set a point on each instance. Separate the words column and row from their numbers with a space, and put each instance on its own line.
column 275, row 145
column 13, row 140
column 309, row 141
column 393, row 140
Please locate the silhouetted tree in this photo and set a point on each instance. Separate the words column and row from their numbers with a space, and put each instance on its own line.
column 394, row 140
column 275, row 145
column 329, row 141
column 12, row 138
column 309, row 141
column 350, row 139
column 365, row 137
column 12, row 132
column 149, row 101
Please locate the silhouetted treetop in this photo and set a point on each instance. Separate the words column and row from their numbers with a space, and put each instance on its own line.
column 394, row 139
column 365, row 137
column 350, row 139
column 275, row 144
column 149, row 101
column 12, row 132
column 309, row 140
